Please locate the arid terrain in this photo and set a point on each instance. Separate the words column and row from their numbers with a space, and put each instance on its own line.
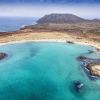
column 84, row 32
column 60, row 26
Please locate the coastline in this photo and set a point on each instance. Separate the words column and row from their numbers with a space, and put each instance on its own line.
column 51, row 37
column 93, row 73
column 55, row 40
column 41, row 40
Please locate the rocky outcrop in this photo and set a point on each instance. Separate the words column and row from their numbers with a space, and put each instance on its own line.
column 91, row 66
column 3, row 55
column 94, row 69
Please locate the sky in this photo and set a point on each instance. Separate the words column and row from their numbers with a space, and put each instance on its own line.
column 88, row 9
column 50, row 1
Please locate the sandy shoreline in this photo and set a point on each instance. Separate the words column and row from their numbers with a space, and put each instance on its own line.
column 47, row 37
column 41, row 40
column 94, row 70
column 52, row 40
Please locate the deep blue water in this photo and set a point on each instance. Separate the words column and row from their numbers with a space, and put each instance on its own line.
column 14, row 23
column 45, row 71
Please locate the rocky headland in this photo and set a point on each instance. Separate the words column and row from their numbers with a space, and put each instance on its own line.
column 91, row 66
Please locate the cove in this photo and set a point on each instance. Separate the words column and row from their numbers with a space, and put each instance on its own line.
column 45, row 71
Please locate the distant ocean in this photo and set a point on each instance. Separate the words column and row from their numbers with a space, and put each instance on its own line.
column 8, row 24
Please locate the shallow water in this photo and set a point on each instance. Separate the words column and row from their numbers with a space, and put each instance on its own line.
column 44, row 71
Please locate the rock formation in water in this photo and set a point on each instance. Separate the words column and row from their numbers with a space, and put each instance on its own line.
column 78, row 86
column 2, row 55
column 70, row 42
column 92, row 65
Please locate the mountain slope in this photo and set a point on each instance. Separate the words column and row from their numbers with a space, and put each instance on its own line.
column 60, row 18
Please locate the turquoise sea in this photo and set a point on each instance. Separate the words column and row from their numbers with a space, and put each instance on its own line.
column 45, row 71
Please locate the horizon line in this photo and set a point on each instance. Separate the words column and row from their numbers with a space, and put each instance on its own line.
column 87, row 12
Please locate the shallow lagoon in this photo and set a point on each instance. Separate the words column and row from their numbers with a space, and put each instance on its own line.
column 45, row 71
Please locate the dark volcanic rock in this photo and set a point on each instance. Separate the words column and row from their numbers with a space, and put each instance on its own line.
column 82, row 58
column 70, row 42
column 2, row 55
column 89, row 60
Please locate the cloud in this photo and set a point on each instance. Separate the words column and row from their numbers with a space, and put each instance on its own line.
column 85, row 11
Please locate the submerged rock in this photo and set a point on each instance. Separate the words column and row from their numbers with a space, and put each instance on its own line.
column 98, row 49
column 91, row 51
column 2, row 55
column 78, row 86
column 82, row 58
